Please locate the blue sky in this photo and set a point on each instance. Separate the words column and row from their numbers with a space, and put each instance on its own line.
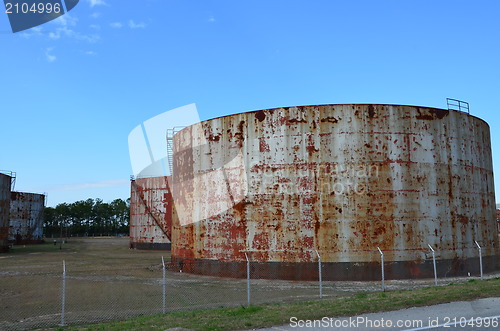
column 72, row 89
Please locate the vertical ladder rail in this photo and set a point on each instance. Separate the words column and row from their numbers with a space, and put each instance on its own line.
column 170, row 145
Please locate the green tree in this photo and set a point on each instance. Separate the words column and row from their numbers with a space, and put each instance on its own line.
column 88, row 217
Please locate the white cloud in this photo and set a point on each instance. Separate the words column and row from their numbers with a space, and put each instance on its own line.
column 36, row 31
column 55, row 35
column 65, row 31
column 211, row 19
column 134, row 25
column 48, row 56
column 83, row 186
column 66, row 20
column 94, row 3
column 95, row 15
column 116, row 25
column 92, row 38
column 65, row 24
column 91, row 53
column 95, row 26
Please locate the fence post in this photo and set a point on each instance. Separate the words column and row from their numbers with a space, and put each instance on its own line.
column 434, row 262
column 63, row 293
column 248, row 279
column 320, row 275
column 382, row 265
column 480, row 259
column 164, row 283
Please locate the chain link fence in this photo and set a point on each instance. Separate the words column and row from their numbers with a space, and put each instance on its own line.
column 74, row 293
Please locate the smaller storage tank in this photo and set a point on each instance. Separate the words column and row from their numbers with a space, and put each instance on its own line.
column 150, row 213
column 26, row 218
column 5, row 182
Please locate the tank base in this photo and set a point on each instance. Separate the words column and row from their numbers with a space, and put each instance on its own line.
column 151, row 246
column 336, row 271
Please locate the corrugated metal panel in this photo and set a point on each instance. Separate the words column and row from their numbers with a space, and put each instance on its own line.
column 498, row 221
column 26, row 217
column 340, row 179
column 5, row 182
column 150, row 213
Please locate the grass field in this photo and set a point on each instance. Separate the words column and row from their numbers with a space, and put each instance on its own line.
column 107, row 281
column 267, row 315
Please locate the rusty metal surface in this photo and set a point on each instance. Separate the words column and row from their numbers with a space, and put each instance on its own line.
column 340, row 179
column 5, row 182
column 498, row 221
column 334, row 271
column 150, row 213
column 26, row 217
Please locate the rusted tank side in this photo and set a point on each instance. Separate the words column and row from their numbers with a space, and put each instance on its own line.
column 5, row 182
column 339, row 179
column 498, row 221
column 26, row 218
column 150, row 213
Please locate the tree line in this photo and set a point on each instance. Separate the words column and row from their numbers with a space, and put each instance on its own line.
column 87, row 218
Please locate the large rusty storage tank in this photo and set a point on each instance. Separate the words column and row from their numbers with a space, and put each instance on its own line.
column 150, row 213
column 26, row 218
column 5, row 185
column 342, row 180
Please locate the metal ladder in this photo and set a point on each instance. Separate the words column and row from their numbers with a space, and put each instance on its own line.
column 12, row 176
column 170, row 146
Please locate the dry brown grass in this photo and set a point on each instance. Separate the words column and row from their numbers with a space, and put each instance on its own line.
column 108, row 281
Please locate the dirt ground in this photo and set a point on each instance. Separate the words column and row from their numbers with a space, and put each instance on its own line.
column 105, row 280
